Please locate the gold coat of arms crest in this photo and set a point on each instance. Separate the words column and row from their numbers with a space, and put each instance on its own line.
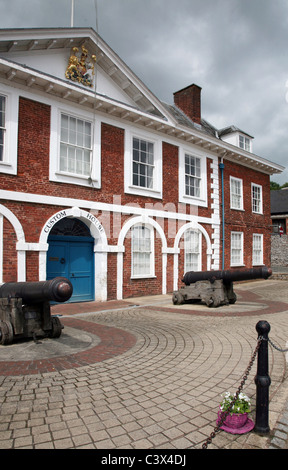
column 80, row 68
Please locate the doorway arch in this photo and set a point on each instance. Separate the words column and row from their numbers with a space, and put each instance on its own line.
column 87, row 226
column 71, row 255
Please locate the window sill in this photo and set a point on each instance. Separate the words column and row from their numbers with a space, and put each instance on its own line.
column 6, row 167
column 71, row 178
column 72, row 175
column 201, row 201
column 141, row 191
column 143, row 276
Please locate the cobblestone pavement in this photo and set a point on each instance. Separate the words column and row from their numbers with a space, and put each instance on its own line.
column 144, row 374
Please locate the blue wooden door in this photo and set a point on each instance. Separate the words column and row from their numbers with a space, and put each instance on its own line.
column 73, row 258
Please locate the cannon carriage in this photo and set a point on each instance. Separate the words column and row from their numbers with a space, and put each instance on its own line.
column 25, row 310
column 215, row 288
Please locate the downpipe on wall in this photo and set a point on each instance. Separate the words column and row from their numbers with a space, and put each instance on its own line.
column 222, row 166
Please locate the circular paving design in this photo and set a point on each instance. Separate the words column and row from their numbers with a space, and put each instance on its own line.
column 80, row 343
column 85, row 342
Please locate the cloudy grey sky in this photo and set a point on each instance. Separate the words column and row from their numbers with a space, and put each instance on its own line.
column 236, row 50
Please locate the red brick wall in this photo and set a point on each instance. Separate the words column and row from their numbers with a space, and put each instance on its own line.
column 33, row 146
column 112, row 276
column 33, row 164
column 112, row 163
column 33, row 177
column 181, row 260
column 9, row 252
column 33, row 154
column 143, row 286
column 246, row 221
column 32, row 218
column 170, row 174
column 189, row 100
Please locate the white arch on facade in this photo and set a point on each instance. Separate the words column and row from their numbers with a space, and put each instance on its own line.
column 142, row 219
column 100, row 246
column 194, row 226
column 20, row 245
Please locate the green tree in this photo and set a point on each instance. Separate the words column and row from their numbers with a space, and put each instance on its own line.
column 274, row 186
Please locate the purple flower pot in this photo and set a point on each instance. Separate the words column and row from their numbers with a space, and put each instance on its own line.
column 234, row 421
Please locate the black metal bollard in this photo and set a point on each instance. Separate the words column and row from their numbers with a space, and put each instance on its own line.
column 262, row 381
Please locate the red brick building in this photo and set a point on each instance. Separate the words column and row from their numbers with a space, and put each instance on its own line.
column 105, row 184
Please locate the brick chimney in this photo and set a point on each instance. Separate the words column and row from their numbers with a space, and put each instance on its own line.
column 189, row 101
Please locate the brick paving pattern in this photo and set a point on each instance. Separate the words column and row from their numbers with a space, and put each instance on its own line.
column 113, row 342
column 153, row 381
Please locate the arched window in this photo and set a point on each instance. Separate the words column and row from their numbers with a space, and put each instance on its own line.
column 142, row 246
column 192, row 245
column 70, row 227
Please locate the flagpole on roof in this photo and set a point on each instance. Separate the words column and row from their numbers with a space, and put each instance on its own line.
column 72, row 13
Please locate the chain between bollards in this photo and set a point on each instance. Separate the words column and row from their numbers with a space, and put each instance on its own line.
column 262, row 381
column 276, row 347
column 244, row 378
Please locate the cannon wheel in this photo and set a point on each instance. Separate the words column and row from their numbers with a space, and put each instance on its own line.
column 232, row 298
column 215, row 303
column 211, row 301
column 177, row 298
column 56, row 329
column 6, row 332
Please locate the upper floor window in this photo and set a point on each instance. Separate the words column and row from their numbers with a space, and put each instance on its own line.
column 143, row 163
column 257, row 199
column 192, row 176
column 244, row 143
column 236, row 193
column 2, row 125
column 142, row 251
column 9, row 110
column 192, row 246
column 75, row 145
column 236, row 137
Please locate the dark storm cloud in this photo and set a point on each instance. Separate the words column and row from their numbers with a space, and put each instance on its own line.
column 234, row 49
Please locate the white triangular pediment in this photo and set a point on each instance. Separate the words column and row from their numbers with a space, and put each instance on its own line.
column 48, row 52
column 56, row 64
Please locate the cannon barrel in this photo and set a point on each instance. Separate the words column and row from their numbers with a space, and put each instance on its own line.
column 58, row 289
column 227, row 275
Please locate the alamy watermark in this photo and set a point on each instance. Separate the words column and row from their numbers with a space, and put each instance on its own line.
column 170, row 216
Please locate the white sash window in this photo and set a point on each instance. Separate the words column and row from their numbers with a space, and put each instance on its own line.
column 2, row 125
column 142, row 251
column 257, row 249
column 236, row 248
column 236, row 193
column 257, row 199
column 143, row 163
column 75, row 145
column 192, row 176
column 192, row 243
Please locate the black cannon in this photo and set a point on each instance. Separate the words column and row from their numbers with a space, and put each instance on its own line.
column 25, row 309
column 215, row 288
